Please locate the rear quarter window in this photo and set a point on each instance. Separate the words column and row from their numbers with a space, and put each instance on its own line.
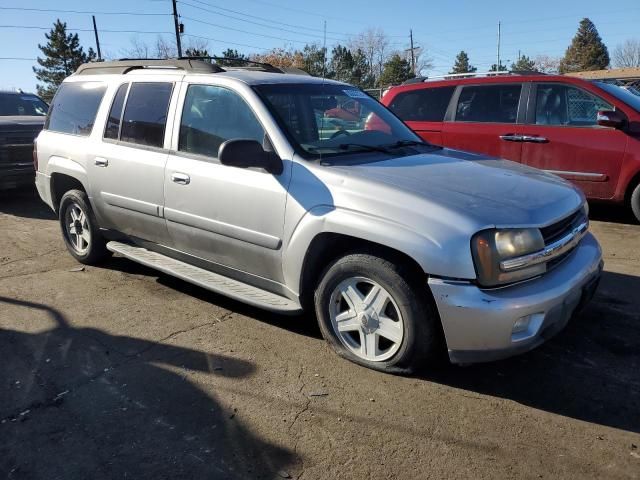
column 425, row 105
column 74, row 108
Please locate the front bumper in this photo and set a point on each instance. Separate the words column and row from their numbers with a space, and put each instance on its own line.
column 18, row 177
column 479, row 324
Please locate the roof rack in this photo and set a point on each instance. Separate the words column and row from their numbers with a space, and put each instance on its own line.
column 228, row 63
column 126, row 65
column 471, row 75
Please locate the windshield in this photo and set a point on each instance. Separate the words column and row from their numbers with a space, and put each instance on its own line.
column 622, row 94
column 332, row 120
column 21, row 104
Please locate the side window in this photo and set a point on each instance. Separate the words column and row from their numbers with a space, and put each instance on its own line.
column 145, row 115
column 489, row 103
column 115, row 114
column 74, row 108
column 558, row 104
column 211, row 116
column 424, row 105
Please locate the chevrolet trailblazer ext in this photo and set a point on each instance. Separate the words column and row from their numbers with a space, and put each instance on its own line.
column 235, row 179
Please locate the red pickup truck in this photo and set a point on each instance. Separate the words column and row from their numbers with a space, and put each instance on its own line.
column 587, row 132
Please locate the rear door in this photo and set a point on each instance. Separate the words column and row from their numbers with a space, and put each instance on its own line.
column 423, row 110
column 128, row 168
column 487, row 119
column 563, row 137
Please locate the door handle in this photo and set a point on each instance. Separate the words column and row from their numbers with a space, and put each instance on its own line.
column 180, row 178
column 510, row 137
column 101, row 162
column 534, row 139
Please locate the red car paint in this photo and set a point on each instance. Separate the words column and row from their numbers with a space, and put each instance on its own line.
column 604, row 162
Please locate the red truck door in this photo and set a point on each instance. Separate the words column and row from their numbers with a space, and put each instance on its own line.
column 423, row 110
column 563, row 137
column 486, row 119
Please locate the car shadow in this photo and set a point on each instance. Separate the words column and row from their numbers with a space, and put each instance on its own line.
column 83, row 403
column 603, row 212
column 588, row 372
column 25, row 202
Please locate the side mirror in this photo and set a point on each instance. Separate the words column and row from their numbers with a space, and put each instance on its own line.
column 611, row 118
column 249, row 154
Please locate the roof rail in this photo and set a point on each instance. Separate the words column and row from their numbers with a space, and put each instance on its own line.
column 126, row 65
column 231, row 63
column 471, row 75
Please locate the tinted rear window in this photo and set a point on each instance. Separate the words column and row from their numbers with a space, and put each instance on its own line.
column 145, row 115
column 425, row 105
column 115, row 114
column 489, row 103
column 74, row 108
column 21, row 104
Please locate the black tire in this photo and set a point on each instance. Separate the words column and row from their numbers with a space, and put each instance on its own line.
column 635, row 202
column 93, row 250
column 422, row 339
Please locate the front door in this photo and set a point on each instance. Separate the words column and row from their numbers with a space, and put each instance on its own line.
column 487, row 120
column 229, row 216
column 564, row 138
column 128, row 170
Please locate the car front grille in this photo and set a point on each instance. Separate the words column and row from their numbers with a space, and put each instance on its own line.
column 560, row 229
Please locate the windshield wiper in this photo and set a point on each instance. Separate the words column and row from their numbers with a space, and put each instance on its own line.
column 410, row 143
column 364, row 148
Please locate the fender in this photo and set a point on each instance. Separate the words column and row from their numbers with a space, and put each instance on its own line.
column 425, row 251
column 69, row 167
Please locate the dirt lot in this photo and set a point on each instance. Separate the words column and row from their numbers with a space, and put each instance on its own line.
column 118, row 372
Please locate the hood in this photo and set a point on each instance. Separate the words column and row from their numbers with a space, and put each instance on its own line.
column 487, row 191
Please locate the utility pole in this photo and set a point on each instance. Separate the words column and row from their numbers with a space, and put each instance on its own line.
column 413, row 56
column 177, row 26
column 95, row 30
column 498, row 60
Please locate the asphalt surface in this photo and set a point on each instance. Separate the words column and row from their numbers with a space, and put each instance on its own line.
column 119, row 372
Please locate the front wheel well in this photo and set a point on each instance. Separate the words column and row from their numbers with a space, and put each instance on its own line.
column 328, row 247
column 61, row 184
column 635, row 181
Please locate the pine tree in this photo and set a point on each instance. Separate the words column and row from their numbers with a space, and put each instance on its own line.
column 396, row 70
column 495, row 68
column 233, row 53
column 462, row 64
column 63, row 54
column 586, row 52
column 524, row 64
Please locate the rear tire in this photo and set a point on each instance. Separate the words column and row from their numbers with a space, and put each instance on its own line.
column 635, row 202
column 375, row 313
column 80, row 230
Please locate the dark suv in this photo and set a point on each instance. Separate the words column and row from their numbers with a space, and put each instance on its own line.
column 22, row 116
column 587, row 132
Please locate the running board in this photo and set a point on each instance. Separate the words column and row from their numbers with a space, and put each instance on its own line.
column 206, row 279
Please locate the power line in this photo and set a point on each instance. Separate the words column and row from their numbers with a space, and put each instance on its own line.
column 85, row 29
column 261, row 18
column 225, row 41
column 257, row 23
column 82, row 11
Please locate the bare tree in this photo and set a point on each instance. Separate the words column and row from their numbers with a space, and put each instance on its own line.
column 423, row 61
column 546, row 64
column 162, row 48
column 374, row 43
column 627, row 54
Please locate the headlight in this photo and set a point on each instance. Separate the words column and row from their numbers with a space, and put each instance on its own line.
column 490, row 247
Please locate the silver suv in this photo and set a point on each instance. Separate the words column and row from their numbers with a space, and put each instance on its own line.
column 294, row 193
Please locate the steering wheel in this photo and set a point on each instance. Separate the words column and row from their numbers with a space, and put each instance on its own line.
column 340, row 132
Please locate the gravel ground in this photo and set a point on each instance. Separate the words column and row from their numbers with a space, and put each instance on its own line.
column 119, row 372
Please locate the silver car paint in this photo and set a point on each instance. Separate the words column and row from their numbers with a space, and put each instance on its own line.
column 427, row 206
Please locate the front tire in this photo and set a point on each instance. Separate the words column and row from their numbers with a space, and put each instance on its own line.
column 80, row 230
column 375, row 313
column 635, row 202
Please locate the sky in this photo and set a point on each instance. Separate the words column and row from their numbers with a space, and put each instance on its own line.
column 253, row 26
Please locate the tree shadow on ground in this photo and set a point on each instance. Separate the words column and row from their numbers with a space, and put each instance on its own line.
column 25, row 202
column 83, row 403
column 587, row 372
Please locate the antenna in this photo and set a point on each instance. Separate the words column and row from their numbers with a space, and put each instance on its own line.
column 499, row 35
column 324, row 52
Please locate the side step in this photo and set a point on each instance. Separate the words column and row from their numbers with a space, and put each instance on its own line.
column 206, row 279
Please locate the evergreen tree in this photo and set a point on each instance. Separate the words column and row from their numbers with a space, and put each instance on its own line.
column 396, row 70
column 63, row 54
column 313, row 58
column 196, row 52
column 233, row 53
column 586, row 52
column 342, row 64
column 462, row 64
column 495, row 68
column 524, row 64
